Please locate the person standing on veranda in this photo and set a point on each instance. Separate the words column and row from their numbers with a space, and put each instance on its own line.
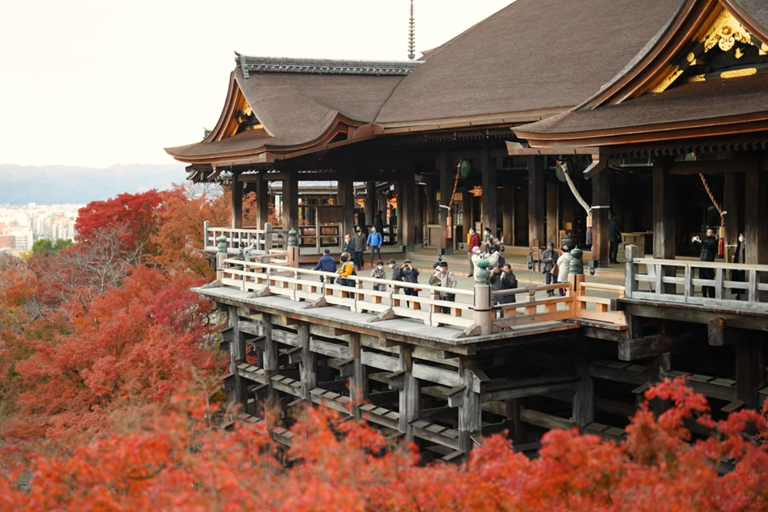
column 549, row 257
column 374, row 242
column 563, row 267
column 359, row 241
column 473, row 241
column 708, row 248
column 614, row 238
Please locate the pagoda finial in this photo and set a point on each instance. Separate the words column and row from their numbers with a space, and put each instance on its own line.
column 411, row 36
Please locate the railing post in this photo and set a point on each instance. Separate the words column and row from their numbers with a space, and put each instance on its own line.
column 630, row 284
column 293, row 249
column 206, row 227
column 483, row 307
column 268, row 233
column 220, row 257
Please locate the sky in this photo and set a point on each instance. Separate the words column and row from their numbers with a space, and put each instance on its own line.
column 100, row 82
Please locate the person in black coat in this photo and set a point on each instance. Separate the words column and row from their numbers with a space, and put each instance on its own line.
column 708, row 248
column 502, row 278
column 614, row 239
column 739, row 257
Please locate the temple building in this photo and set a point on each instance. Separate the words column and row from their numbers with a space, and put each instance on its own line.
column 654, row 112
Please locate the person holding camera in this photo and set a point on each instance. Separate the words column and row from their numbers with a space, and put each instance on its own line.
column 708, row 248
column 410, row 274
column 444, row 278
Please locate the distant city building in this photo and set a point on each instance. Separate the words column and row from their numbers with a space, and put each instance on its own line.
column 20, row 226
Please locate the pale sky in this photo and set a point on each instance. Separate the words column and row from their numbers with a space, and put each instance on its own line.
column 98, row 82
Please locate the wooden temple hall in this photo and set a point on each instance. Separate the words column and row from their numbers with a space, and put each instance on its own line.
column 652, row 112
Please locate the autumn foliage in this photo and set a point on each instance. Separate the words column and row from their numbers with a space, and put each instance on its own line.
column 110, row 400
column 177, row 461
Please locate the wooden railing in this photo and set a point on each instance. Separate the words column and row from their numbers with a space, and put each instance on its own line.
column 307, row 285
column 679, row 281
column 264, row 240
column 575, row 304
column 473, row 310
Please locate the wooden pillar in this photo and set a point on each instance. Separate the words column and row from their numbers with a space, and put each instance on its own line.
column 601, row 209
column 446, row 189
column 237, row 356
column 468, row 219
column 664, row 212
column 410, row 394
column 584, row 398
column 489, row 199
column 406, row 209
column 553, row 213
column 756, row 217
column 270, row 350
column 237, row 201
column 664, row 217
column 398, row 240
column 431, row 202
column 514, row 408
column 535, row 200
column 359, row 385
column 308, row 366
column 508, row 214
column 347, row 200
column 290, row 203
column 262, row 200
column 418, row 214
column 470, row 414
column 370, row 206
column 750, row 367
column 734, row 205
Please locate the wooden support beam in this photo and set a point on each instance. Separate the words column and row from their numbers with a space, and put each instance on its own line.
column 290, row 202
column 470, row 416
column 237, row 201
column 308, row 365
column 664, row 212
column 657, row 344
column 514, row 409
column 756, row 217
column 716, row 333
column 447, row 173
column 370, row 205
column 489, row 198
column 535, row 200
column 508, row 214
column 270, row 347
column 237, row 356
column 601, row 208
column 406, row 209
column 410, row 394
column 347, row 200
column 359, row 383
column 553, row 212
column 750, row 367
column 262, row 200
column 584, row 397
column 733, row 203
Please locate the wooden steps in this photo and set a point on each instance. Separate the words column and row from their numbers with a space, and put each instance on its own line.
column 436, row 433
column 707, row 385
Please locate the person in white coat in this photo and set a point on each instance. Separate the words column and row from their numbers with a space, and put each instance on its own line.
column 563, row 267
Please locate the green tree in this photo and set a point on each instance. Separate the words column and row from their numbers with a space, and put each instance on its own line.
column 45, row 247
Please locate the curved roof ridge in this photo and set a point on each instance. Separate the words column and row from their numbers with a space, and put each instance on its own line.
column 248, row 64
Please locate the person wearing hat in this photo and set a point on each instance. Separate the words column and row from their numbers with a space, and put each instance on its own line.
column 410, row 274
column 326, row 263
column 549, row 257
column 379, row 273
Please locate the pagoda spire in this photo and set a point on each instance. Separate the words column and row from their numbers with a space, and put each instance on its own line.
column 411, row 36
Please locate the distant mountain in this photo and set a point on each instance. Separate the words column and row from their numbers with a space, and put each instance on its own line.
column 58, row 184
